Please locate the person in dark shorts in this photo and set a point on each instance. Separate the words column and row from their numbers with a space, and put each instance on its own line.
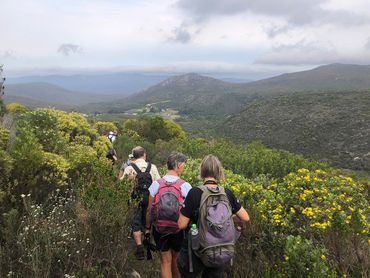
column 169, row 244
column 141, row 194
column 211, row 172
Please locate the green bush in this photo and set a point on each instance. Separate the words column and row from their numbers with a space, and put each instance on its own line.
column 4, row 137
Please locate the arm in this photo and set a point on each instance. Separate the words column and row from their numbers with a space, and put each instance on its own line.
column 120, row 175
column 183, row 222
column 124, row 173
column 242, row 214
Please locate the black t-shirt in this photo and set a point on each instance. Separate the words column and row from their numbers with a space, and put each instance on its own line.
column 192, row 203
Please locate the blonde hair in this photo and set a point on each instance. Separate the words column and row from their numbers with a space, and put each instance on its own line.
column 211, row 167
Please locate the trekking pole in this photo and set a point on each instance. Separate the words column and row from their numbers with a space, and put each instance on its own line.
column 191, row 269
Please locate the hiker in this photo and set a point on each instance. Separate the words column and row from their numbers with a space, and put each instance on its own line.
column 125, row 165
column 112, row 136
column 112, row 155
column 211, row 235
column 171, row 191
column 144, row 173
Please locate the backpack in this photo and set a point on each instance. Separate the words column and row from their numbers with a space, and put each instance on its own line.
column 217, row 234
column 166, row 206
column 143, row 182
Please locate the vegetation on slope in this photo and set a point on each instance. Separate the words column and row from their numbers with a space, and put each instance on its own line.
column 63, row 214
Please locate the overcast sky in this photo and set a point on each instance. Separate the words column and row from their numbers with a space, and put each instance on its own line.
column 232, row 36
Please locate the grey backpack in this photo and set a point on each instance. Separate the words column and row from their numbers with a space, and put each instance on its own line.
column 217, row 234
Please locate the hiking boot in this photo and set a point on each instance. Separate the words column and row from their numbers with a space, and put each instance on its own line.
column 139, row 254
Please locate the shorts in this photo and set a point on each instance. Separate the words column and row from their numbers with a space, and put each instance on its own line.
column 138, row 221
column 198, row 267
column 167, row 242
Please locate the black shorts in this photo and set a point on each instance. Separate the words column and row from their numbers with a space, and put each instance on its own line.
column 198, row 266
column 167, row 242
column 138, row 221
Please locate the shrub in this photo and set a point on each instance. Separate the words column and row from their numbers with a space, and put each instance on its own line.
column 4, row 137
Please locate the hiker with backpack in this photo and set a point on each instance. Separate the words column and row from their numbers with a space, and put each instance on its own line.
column 165, row 201
column 143, row 173
column 207, row 215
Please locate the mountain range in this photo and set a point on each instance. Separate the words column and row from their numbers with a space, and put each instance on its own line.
column 99, row 84
column 323, row 112
column 40, row 94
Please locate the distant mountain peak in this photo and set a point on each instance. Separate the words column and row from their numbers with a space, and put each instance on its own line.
column 188, row 79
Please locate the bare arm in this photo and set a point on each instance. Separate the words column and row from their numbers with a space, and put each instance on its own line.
column 120, row 175
column 183, row 222
column 243, row 215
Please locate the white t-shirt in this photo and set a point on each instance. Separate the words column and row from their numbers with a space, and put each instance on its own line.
column 185, row 187
column 142, row 164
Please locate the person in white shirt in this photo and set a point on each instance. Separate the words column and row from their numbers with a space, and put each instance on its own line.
column 168, row 245
column 148, row 174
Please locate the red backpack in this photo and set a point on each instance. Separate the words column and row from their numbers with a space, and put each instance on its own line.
column 166, row 206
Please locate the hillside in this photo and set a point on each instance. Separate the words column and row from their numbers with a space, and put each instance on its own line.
column 190, row 93
column 44, row 94
column 331, row 77
column 331, row 126
column 323, row 112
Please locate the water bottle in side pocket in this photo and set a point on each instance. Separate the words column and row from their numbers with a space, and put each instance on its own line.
column 194, row 233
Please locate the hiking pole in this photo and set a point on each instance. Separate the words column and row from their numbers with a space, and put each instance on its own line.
column 149, row 247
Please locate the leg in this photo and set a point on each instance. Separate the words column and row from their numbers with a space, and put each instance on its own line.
column 137, row 237
column 174, row 268
column 183, row 264
column 137, row 232
column 213, row 272
column 166, row 259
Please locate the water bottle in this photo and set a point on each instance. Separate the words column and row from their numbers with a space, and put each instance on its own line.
column 194, row 233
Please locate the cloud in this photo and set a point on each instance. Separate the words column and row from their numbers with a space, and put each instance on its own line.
column 7, row 54
column 301, row 53
column 295, row 12
column 367, row 44
column 274, row 30
column 67, row 49
column 180, row 35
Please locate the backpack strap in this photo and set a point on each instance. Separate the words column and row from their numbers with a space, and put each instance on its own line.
column 148, row 168
column 176, row 184
column 137, row 170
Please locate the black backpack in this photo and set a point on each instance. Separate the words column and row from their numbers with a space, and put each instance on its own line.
column 143, row 182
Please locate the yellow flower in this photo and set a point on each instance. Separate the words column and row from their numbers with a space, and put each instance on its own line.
column 323, row 257
column 286, row 258
column 303, row 171
column 292, row 211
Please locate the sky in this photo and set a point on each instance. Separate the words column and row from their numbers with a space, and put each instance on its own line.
column 243, row 38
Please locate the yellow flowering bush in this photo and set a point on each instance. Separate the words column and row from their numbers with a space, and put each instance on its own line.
column 323, row 208
column 4, row 137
